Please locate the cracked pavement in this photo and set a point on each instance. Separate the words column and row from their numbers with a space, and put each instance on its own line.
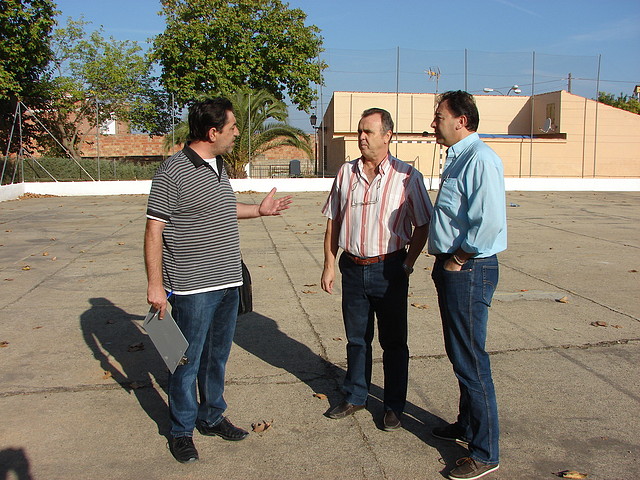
column 75, row 403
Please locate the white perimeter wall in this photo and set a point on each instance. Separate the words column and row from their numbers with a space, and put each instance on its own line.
column 142, row 187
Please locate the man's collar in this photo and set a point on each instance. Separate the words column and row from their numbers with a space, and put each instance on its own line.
column 197, row 160
column 457, row 148
column 383, row 166
column 193, row 156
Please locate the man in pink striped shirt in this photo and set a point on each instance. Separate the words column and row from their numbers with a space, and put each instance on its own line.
column 377, row 206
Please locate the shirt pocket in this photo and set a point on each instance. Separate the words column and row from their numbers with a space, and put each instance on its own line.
column 449, row 196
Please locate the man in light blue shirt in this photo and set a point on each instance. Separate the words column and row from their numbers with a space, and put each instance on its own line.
column 468, row 228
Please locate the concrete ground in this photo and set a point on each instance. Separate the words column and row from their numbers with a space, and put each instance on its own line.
column 76, row 403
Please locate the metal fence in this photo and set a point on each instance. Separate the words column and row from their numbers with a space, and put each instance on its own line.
column 279, row 169
column 435, row 71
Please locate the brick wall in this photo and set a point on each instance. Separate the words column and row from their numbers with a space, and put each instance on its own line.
column 125, row 145
column 141, row 145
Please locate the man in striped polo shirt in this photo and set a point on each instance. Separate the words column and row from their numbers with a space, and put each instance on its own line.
column 192, row 256
column 378, row 205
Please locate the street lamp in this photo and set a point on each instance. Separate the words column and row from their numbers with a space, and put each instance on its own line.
column 313, row 119
column 515, row 89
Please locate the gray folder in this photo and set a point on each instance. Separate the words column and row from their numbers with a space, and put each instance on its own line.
column 167, row 337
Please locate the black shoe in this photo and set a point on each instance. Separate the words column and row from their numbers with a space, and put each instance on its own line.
column 183, row 449
column 344, row 410
column 391, row 421
column 452, row 432
column 224, row 429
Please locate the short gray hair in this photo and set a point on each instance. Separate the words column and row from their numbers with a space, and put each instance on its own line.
column 387, row 121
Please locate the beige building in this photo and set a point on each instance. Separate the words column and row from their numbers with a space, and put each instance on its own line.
column 554, row 134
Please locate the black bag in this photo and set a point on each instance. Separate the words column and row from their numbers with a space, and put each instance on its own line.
column 246, row 294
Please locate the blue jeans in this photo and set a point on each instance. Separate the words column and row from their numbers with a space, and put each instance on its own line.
column 208, row 322
column 379, row 289
column 464, row 298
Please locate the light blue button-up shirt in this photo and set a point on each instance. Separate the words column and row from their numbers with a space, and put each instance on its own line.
column 470, row 210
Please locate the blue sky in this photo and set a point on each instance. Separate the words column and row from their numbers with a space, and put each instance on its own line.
column 498, row 34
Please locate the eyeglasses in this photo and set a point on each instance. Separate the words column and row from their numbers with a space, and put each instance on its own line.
column 373, row 191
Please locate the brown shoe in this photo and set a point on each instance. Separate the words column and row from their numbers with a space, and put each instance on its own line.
column 391, row 421
column 344, row 410
column 470, row 469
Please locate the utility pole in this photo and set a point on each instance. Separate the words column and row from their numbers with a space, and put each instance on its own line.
column 98, row 135
column 569, row 82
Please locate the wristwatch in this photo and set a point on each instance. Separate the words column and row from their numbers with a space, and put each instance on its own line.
column 407, row 269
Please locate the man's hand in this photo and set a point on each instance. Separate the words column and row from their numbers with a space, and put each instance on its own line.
column 157, row 298
column 451, row 266
column 273, row 206
column 328, row 276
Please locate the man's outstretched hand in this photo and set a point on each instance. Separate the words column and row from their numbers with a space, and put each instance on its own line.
column 273, row 206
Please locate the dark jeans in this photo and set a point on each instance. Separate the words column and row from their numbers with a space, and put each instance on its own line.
column 464, row 298
column 208, row 322
column 379, row 289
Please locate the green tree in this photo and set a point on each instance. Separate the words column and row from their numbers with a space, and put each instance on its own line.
column 25, row 31
column 262, row 123
column 93, row 80
column 624, row 102
column 217, row 46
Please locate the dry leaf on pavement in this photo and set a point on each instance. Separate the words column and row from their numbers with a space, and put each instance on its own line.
column 4, row 344
column 572, row 474
column 599, row 323
column 106, row 374
column 26, row 267
column 419, row 305
column 308, row 291
column 260, row 427
column 136, row 347
column 563, row 300
column 321, row 396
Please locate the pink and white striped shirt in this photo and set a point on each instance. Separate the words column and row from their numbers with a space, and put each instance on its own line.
column 377, row 218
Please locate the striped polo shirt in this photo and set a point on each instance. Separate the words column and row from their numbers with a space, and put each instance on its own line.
column 201, row 241
column 378, row 217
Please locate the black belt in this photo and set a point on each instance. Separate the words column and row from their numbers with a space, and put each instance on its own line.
column 372, row 260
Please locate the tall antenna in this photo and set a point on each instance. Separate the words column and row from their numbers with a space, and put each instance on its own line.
column 434, row 72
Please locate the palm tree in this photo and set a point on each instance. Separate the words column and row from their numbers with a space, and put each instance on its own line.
column 262, row 124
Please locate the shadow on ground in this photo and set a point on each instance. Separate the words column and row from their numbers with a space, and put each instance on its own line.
column 126, row 353
column 14, row 464
column 260, row 336
column 114, row 336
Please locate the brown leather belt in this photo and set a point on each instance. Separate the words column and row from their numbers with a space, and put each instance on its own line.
column 372, row 260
